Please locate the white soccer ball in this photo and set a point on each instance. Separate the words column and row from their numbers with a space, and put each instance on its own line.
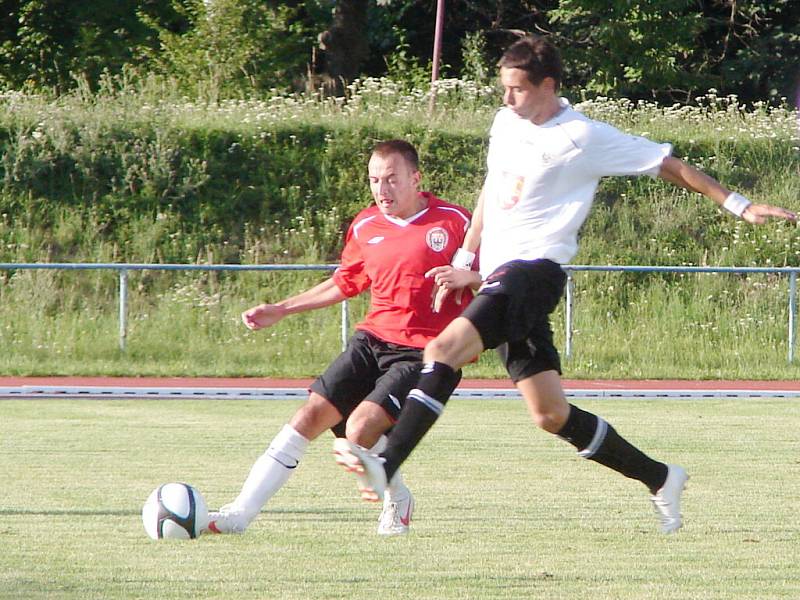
column 175, row 511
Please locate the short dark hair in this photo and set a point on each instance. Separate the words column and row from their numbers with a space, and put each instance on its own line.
column 535, row 55
column 402, row 147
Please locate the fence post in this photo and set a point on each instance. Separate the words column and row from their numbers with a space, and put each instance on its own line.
column 792, row 312
column 345, row 325
column 568, row 313
column 123, row 308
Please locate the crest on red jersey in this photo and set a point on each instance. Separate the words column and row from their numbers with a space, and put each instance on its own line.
column 436, row 239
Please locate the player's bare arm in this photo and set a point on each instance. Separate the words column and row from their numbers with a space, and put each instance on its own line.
column 473, row 238
column 448, row 277
column 684, row 175
column 324, row 294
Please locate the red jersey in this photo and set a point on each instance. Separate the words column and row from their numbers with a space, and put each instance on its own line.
column 391, row 256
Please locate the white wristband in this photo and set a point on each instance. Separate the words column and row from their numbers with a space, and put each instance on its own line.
column 463, row 259
column 736, row 203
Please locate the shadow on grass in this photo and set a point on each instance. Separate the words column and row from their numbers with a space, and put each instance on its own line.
column 71, row 512
column 304, row 514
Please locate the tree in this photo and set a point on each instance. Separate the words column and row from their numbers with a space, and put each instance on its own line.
column 233, row 47
column 664, row 49
column 752, row 47
column 628, row 47
column 51, row 43
column 344, row 43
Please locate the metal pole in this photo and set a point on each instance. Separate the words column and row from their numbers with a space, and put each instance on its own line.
column 568, row 313
column 345, row 325
column 792, row 312
column 123, row 308
column 437, row 51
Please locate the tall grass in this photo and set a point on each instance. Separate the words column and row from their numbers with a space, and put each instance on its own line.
column 138, row 173
column 625, row 325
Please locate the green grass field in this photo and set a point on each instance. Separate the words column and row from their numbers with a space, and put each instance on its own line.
column 503, row 510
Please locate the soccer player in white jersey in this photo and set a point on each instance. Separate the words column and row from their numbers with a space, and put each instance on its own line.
column 388, row 249
column 544, row 164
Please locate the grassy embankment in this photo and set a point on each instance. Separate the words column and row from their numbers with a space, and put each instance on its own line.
column 137, row 174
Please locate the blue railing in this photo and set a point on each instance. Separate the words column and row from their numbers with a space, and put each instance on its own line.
column 124, row 268
column 790, row 271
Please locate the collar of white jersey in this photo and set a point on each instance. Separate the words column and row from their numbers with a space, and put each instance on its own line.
column 564, row 108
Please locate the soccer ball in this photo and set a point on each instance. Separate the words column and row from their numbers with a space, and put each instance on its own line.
column 175, row 511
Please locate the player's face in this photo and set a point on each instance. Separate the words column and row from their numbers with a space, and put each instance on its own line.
column 394, row 183
column 529, row 101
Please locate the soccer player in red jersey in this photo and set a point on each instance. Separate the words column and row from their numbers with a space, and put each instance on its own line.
column 388, row 249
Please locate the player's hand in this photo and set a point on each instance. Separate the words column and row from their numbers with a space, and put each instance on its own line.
column 440, row 294
column 445, row 279
column 263, row 315
column 759, row 213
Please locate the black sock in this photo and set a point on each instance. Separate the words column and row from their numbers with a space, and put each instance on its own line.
column 422, row 407
column 596, row 440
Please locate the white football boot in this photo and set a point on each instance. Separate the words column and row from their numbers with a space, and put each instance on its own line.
column 227, row 520
column 395, row 517
column 667, row 501
column 367, row 467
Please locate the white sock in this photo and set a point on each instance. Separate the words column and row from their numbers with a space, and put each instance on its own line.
column 270, row 472
column 396, row 487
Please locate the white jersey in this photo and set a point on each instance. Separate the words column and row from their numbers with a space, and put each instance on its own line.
column 541, row 182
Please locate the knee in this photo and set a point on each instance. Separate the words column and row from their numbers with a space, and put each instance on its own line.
column 314, row 417
column 441, row 349
column 356, row 428
column 459, row 343
column 435, row 348
column 359, row 431
column 551, row 421
column 365, row 427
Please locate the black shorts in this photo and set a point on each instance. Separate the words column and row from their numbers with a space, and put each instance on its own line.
column 512, row 313
column 372, row 370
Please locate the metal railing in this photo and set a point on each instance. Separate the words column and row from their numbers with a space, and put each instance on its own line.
column 790, row 271
column 124, row 268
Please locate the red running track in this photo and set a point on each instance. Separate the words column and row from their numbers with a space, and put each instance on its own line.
column 269, row 382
